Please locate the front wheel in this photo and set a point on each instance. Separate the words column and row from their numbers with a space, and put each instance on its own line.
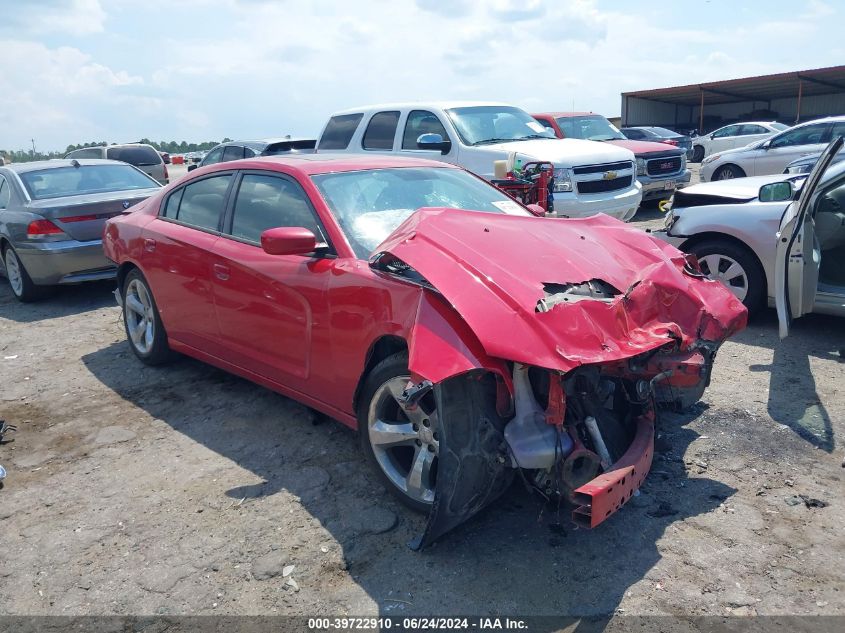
column 735, row 267
column 144, row 329
column 401, row 442
column 728, row 172
column 697, row 154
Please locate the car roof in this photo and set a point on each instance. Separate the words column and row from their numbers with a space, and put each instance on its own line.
column 265, row 142
column 310, row 164
column 38, row 165
column 111, row 145
column 420, row 105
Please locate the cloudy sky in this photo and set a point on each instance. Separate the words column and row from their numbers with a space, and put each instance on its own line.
column 120, row 70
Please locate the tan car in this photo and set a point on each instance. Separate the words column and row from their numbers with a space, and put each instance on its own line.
column 144, row 157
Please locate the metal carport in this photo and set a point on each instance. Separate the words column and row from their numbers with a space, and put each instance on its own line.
column 787, row 97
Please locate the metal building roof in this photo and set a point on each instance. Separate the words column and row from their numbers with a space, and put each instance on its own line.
column 818, row 81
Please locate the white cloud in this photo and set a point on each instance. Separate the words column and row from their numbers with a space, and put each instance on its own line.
column 74, row 17
column 238, row 68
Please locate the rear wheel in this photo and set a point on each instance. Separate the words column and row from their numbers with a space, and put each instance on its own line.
column 22, row 285
column 727, row 172
column 736, row 267
column 401, row 442
column 144, row 329
column 697, row 154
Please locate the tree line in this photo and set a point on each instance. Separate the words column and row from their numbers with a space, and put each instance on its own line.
column 171, row 147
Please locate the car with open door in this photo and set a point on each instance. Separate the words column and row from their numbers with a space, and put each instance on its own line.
column 811, row 245
column 465, row 339
column 730, row 228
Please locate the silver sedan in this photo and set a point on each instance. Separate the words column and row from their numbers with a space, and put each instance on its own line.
column 52, row 215
column 732, row 227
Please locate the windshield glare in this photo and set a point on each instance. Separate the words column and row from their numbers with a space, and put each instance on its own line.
column 75, row 181
column 370, row 204
column 477, row 125
column 590, row 128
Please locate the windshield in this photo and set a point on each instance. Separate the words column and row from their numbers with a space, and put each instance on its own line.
column 75, row 181
column 370, row 204
column 590, row 128
column 479, row 125
column 780, row 127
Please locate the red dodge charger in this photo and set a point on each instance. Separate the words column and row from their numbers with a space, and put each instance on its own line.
column 463, row 337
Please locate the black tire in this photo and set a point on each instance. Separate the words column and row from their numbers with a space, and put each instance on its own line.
column 756, row 278
column 390, row 368
column 727, row 172
column 697, row 153
column 27, row 291
column 158, row 351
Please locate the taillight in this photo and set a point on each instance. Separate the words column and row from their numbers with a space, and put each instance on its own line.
column 166, row 175
column 670, row 141
column 40, row 228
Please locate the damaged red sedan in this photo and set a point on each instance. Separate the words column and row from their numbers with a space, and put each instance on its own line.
column 464, row 338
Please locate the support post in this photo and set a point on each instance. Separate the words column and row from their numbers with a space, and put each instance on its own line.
column 800, row 92
column 701, row 113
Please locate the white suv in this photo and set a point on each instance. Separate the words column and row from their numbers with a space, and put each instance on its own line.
column 590, row 177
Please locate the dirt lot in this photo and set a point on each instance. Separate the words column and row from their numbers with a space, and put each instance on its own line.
column 183, row 490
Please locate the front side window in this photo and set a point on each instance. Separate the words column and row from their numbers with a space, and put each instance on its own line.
column 635, row 135
column 421, row 122
column 730, row 130
column 370, row 204
column 590, row 128
column 267, row 202
column 201, row 202
column 233, row 152
column 380, row 131
column 480, row 125
column 73, row 181
column 807, row 135
column 4, row 193
column 213, row 157
column 339, row 131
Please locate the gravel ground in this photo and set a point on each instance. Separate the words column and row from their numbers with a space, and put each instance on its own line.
column 184, row 490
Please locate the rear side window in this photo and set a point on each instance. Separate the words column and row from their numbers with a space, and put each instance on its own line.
column 233, row 152
column 339, row 131
column 753, row 129
column 266, row 202
column 381, row 130
column 140, row 155
column 215, row 156
column 201, row 202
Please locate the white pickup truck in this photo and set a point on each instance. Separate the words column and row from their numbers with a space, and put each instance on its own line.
column 589, row 177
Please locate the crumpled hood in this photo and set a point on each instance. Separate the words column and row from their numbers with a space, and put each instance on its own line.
column 492, row 269
column 565, row 152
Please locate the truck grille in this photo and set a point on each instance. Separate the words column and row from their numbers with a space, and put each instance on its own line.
column 600, row 186
column 597, row 169
column 663, row 166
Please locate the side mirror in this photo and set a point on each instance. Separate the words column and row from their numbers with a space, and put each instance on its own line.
column 776, row 192
column 766, row 145
column 434, row 142
column 288, row 240
column 537, row 210
column 192, row 167
column 712, row 136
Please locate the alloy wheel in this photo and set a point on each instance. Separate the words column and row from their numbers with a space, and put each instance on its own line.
column 405, row 440
column 140, row 316
column 728, row 271
column 13, row 272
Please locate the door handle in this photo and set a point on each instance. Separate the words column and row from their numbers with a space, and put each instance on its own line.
column 149, row 245
column 221, row 272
